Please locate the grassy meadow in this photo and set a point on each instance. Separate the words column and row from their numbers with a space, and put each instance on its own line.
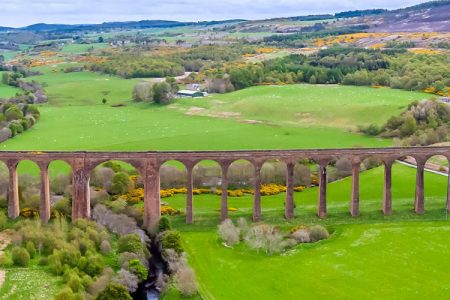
column 403, row 256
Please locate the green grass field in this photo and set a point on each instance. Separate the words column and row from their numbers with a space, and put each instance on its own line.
column 33, row 282
column 7, row 91
column 75, row 119
column 312, row 106
column 403, row 256
column 81, row 48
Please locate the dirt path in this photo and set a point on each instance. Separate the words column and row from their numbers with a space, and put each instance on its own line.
column 5, row 240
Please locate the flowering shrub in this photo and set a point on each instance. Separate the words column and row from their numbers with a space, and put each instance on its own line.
column 28, row 212
column 168, row 210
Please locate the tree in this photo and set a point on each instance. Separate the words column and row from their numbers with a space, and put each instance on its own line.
column 104, row 100
column 162, row 93
column 121, row 184
column 101, row 39
column 142, row 92
column 164, row 224
column 114, row 291
column 409, row 126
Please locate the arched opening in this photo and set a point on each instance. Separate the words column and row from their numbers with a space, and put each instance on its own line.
column 207, row 181
column 173, row 189
column 241, row 189
column 404, row 175
column 118, row 186
column 60, row 177
column 370, row 185
column 29, row 188
column 273, row 188
column 436, row 183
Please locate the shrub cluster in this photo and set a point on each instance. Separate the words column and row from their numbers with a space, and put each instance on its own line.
column 267, row 238
column 422, row 123
column 72, row 252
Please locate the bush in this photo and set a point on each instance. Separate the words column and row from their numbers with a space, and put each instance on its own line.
column 229, row 233
column 65, row 294
column 94, row 265
column 301, row 236
column 264, row 237
column 13, row 113
column 75, row 283
column 30, row 248
column 63, row 207
column 130, row 243
column 317, row 233
column 171, row 240
column 185, row 281
column 105, row 247
column 128, row 280
column 114, row 291
column 137, row 268
column 20, row 256
column 121, row 184
column 164, row 224
column 100, row 282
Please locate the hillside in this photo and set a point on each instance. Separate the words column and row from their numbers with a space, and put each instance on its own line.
column 428, row 17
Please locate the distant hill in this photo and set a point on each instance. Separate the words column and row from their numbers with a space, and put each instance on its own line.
column 6, row 28
column 429, row 16
column 43, row 27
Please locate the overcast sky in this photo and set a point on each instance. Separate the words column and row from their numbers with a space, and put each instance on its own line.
column 25, row 12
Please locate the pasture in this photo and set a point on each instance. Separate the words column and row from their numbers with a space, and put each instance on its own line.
column 372, row 256
column 271, row 117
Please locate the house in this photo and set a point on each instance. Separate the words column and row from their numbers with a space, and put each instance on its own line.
column 192, row 94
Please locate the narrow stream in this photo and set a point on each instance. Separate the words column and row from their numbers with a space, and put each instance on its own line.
column 148, row 290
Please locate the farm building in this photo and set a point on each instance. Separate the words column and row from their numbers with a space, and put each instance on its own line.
column 188, row 93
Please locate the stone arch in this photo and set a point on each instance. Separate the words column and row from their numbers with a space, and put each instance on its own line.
column 207, row 180
column 127, row 192
column 242, row 181
column 31, row 202
column 60, row 174
column 173, row 178
column 406, row 178
column 274, row 172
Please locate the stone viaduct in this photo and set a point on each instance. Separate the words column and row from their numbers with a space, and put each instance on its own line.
column 148, row 165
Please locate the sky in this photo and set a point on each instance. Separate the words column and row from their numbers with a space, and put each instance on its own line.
column 16, row 13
